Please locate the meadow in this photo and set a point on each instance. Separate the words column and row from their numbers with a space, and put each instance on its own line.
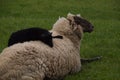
column 104, row 41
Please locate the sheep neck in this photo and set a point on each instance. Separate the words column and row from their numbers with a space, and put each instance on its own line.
column 73, row 37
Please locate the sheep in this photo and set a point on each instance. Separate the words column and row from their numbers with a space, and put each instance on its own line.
column 32, row 34
column 34, row 60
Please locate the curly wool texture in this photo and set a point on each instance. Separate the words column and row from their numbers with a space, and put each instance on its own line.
column 36, row 61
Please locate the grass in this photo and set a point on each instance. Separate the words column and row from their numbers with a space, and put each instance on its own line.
column 104, row 41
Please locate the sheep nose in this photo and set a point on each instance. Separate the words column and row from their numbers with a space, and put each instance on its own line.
column 91, row 29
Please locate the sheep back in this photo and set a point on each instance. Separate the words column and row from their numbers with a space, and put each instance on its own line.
column 35, row 60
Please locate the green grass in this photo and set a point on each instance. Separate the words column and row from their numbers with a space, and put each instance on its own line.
column 104, row 41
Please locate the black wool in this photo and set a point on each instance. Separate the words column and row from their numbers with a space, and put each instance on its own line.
column 32, row 34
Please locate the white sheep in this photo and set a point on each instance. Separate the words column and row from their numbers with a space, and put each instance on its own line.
column 36, row 61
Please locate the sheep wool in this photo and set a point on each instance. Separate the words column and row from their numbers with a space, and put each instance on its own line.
column 36, row 61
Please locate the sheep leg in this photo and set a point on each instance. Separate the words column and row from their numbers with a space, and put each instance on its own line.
column 88, row 60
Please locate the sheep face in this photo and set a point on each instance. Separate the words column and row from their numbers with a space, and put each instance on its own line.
column 66, row 27
column 72, row 25
column 78, row 20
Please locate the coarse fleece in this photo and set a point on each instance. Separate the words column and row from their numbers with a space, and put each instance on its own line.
column 34, row 60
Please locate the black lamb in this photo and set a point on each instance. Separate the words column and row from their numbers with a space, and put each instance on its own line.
column 32, row 34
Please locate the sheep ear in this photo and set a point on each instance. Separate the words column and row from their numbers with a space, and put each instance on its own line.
column 50, row 33
column 59, row 17
column 78, row 15
column 69, row 14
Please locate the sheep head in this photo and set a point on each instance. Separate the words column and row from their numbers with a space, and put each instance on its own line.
column 72, row 26
column 80, row 22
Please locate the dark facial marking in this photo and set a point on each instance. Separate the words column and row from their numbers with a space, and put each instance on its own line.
column 87, row 26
